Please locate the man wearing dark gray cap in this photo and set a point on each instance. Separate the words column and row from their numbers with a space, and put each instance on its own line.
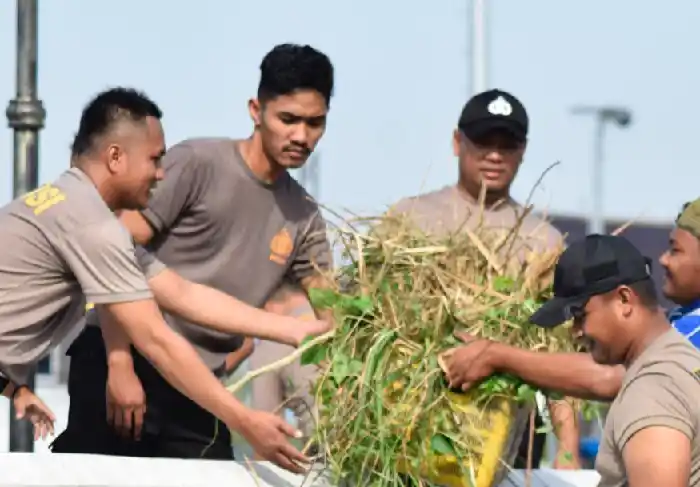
column 652, row 431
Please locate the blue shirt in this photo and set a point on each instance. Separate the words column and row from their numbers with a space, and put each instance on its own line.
column 686, row 319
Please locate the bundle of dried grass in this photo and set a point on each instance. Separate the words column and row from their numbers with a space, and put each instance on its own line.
column 385, row 414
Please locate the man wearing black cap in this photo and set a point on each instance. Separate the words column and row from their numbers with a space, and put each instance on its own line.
column 489, row 142
column 652, row 431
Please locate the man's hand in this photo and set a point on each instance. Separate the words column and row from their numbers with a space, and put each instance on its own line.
column 269, row 435
column 466, row 365
column 126, row 402
column 308, row 327
column 33, row 409
column 291, row 300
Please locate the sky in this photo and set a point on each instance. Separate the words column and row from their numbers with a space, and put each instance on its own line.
column 403, row 75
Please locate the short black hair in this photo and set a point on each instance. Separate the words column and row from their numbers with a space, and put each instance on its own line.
column 291, row 67
column 105, row 110
column 646, row 291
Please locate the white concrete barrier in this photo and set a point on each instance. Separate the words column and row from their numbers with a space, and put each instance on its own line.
column 46, row 469
column 63, row 470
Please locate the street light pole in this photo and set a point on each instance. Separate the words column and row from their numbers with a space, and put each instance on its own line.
column 620, row 116
column 479, row 47
column 596, row 222
column 25, row 116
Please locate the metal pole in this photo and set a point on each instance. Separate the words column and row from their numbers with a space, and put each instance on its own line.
column 25, row 115
column 479, row 46
column 620, row 116
column 596, row 221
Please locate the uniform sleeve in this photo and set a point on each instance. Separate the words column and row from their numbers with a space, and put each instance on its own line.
column 148, row 262
column 103, row 259
column 314, row 251
column 657, row 399
column 182, row 187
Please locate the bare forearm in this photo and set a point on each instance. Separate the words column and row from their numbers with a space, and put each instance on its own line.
column 565, row 422
column 116, row 341
column 573, row 374
column 220, row 312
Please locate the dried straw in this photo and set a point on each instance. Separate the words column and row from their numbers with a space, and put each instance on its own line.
column 385, row 414
column 384, row 409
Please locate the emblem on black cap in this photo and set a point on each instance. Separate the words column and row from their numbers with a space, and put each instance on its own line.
column 500, row 106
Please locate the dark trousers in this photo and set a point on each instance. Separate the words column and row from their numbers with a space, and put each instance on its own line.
column 174, row 426
column 537, row 445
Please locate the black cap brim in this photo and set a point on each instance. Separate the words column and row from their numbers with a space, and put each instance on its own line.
column 482, row 128
column 555, row 312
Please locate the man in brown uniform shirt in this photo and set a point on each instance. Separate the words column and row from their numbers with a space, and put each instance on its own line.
column 651, row 435
column 490, row 142
column 65, row 245
column 229, row 215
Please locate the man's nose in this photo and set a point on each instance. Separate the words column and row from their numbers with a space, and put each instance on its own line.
column 301, row 134
column 494, row 156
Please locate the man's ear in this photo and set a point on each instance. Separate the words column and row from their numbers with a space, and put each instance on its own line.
column 255, row 111
column 456, row 141
column 116, row 159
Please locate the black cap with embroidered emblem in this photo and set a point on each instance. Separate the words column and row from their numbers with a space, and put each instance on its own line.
column 589, row 267
column 493, row 110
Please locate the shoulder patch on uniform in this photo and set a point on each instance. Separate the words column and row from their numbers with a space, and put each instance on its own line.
column 43, row 198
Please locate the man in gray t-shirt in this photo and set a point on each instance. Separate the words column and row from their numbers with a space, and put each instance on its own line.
column 65, row 246
column 229, row 215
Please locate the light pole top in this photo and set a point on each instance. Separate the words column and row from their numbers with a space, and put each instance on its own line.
column 620, row 115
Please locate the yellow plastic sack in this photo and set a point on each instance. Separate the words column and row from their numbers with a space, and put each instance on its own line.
column 495, row 435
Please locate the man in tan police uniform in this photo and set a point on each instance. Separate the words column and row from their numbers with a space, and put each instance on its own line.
column 637, row 358
column 65, row 245
column 227, row 214
column 490, row 142
column 652, row 431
